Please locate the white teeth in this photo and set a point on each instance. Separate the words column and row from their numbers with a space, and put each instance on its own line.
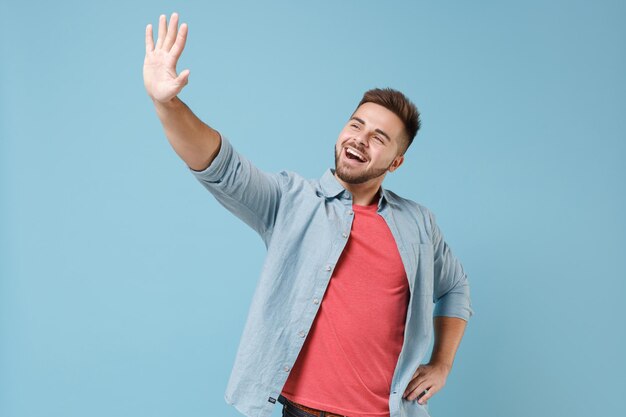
column 353, row 152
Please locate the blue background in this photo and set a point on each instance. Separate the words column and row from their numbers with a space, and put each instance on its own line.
column 125, row 286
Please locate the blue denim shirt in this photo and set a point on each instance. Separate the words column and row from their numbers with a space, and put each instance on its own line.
column 305, row 225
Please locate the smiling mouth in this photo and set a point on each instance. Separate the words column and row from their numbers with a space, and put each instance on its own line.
column 354, row 156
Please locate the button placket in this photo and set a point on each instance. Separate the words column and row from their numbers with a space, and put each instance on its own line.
column 346, row 233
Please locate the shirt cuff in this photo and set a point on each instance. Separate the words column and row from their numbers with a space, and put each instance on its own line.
column 454, row 305
column 216, row 170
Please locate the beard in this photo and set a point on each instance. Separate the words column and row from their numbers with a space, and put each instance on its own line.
column 354, row 175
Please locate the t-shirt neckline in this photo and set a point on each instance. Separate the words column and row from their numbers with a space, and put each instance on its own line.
column 369, row 207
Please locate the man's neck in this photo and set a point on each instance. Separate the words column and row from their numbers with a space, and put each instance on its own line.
column 362, row 194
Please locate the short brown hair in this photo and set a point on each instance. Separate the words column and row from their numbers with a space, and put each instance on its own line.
column 398, row 103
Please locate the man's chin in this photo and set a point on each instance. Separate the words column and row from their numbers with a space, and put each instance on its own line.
column 353, row 174
column 350, row 179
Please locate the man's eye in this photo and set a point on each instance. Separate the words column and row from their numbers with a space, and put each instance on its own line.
column 355, row 126
column 379, row 139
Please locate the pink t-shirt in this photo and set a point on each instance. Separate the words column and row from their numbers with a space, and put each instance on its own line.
column 348, row 358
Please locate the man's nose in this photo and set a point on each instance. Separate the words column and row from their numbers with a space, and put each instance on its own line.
column 361, row 140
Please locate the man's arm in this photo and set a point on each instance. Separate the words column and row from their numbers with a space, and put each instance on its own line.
column 451, row 292
column 432, row 376
column 237, row 184
column 452, row 311
column 448, row 334
column 195, row 142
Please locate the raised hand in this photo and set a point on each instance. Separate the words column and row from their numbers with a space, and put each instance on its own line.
column 159, row 66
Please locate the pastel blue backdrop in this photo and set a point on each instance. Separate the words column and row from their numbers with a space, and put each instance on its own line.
column 124, row 285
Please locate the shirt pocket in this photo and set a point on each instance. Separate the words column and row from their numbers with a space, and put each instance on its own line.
column 424, row 275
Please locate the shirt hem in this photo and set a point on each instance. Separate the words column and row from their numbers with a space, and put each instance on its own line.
column 332, row 409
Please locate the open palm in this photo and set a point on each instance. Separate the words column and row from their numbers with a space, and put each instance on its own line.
column 159, row 66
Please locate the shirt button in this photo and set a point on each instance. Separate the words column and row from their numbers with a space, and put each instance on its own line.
column 344, row 234
column 350, row 213
column 301, row 333
column 316, row 301
column 286, row 368
column 328, row 267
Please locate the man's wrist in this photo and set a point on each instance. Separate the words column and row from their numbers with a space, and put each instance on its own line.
column 447, row 366
column 167, row 105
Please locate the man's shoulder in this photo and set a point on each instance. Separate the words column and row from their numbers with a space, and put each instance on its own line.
column 293, row 177
column 294, row 181
column 398, row 200
column 412, row 211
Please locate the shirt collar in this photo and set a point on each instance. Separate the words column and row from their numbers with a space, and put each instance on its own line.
column 331, row 187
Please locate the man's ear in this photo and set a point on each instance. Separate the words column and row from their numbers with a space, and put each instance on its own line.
column 396, row 163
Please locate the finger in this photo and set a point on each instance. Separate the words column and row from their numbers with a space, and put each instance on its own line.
column 424, row 392
column 419, row 389
column 429, row 393
column 419, row 382
column 181, row 39
column 413, row 381
column 171, row 32
column 183, row 77
column 409, row 389
column 149, row 39
column 162, row 32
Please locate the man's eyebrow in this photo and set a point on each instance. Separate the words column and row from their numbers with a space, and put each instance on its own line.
column 377, row 130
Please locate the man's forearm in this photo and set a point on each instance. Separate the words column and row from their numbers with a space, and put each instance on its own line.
column 194, row 141
column 448, row 334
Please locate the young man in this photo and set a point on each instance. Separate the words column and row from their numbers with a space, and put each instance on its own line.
column 357, row 279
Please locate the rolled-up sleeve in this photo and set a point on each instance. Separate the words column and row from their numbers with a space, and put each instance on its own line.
column 246, row 191
column 451, row 286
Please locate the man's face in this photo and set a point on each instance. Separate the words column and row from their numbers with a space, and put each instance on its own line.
column 375, row 134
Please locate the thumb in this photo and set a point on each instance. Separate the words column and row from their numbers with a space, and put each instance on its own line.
column 183, row 77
